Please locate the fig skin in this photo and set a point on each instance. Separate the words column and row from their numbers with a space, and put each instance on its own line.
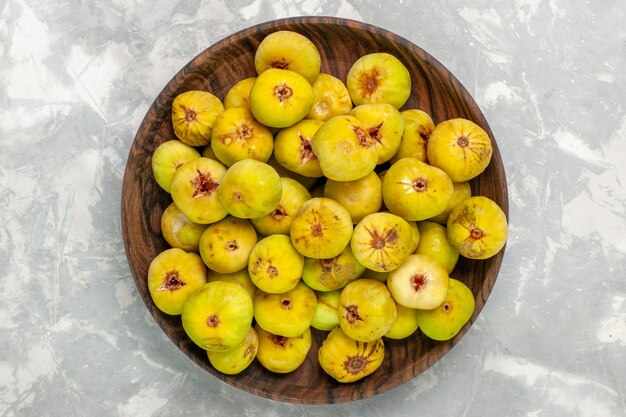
column 282, row 354
column 195, row 188
column 477, row 228
column 322, row 229
column 347, row 360
column 274, row 265
column 418, row 126
column 179, row 231
column 420, row 282
column 173, row 275
column 434, row 242
column 250, row 189
column 307, row 182
column 237, row 359
column 384, row 124
column 167, row 158
column 416, row 235
column 280, row 219
column 237, row 136
column 382, row 241
column 207, row 152
column 241, row 278
column 292, row 148
column 378, row 276
column 461, row 148
column 280, row 98
column 345, row 150
column 287, row 314
column 366, row 310
column 326, row 316
column 445, row 321
column 461, row 192
column 226, row 245
column 288, row 50
column 379, row 78
column 416, row 191
column 405, row 324
column 193, row 115
column 360, row 197
column 332, row 274
column 330, row 98
column 239, row 94
column 218, row 316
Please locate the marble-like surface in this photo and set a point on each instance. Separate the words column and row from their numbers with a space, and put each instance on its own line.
column 76, row 78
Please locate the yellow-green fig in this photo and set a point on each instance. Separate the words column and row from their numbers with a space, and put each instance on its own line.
column 415, row 191
column 366, row 310
column 384, row 124
column 322, row 229
column 446, row 320
column 418, row 126
column 348, row 360
column 416, row 235
column 179, row 231
column 167, row 158
column 288, row 50
column 326, row 316
column 195, row 187
column 379, row 78
column 333, row 273
column 459, row 147
column 282, row 354
column 405, row 324
column 382, row 241
column 461, row 191
column 477, row 228
column 250, row 189
column 292, row 148
column 217, row 316
column 434, row 242
column 193, row 115
column 226, row 245
column 280, row 219
column 330, row 98
column 345, row 150
column 172, row 277
column 288, row 314
column 239, row 94
column 237, row 136
column 360, row 197
column 237, row 359
column 280, row 98
column 274, row 265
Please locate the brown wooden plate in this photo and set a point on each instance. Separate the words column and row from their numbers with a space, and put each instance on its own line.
column 340, row 42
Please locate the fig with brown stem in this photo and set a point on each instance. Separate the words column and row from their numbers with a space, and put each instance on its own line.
column 366, row 310
column 348, row 360
column 195, row 187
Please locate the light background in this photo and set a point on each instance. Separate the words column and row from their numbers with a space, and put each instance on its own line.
column 76, row 79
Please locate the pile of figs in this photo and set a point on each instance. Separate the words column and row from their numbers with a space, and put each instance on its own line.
column 301, row 201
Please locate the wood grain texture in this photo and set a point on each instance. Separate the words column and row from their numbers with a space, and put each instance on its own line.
column 340, row 42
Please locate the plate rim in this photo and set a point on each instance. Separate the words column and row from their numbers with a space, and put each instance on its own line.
column 442, row 348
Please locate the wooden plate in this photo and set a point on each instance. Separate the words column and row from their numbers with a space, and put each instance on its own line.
column 340, row 42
